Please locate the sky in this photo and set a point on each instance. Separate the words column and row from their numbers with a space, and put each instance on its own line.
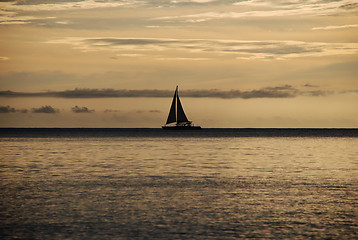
column 238, row 63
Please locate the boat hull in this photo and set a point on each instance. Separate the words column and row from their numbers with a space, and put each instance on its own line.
column 181, row 127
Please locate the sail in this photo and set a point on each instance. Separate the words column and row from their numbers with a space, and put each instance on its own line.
column 172, row 115
column 180, row 112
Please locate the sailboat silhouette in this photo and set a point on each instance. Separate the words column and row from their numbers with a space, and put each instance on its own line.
column 177, row 119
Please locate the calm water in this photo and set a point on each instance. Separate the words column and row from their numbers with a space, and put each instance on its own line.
column 206, row 186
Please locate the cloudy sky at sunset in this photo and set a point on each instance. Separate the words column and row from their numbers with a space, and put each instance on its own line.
column 238, row 63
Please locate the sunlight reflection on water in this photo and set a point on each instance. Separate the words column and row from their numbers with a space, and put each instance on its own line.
column 188, row 188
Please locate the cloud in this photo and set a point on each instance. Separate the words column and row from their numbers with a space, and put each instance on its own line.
column 310, row 85
column 336, row 27
column 191, row 1
column 267, row 49
column 100, row 93
column 181, row 59
column 350, row 5
column 90, row 93
column 264, row 9
column 8, row 109
column 77, row 109
column 45, row 109
column 59, row 5
column 31, row 11
column 285, row 91
column 27, row 11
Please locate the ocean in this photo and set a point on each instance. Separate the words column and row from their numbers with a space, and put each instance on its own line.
column 156, row 184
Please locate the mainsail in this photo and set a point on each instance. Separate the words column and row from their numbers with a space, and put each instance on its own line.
column 176, row 113
column 172, row 116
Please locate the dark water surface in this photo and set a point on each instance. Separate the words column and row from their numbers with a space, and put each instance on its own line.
column 155, row 184
column 158, row 132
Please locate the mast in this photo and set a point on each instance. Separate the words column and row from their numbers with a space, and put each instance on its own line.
column 181, row 117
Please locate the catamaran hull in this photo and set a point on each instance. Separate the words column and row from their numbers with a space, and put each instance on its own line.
column 181, row 127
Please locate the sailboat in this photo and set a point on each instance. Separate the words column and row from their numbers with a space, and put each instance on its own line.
column 177, row 119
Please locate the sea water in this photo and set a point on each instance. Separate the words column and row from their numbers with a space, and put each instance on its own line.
column 178, row 186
